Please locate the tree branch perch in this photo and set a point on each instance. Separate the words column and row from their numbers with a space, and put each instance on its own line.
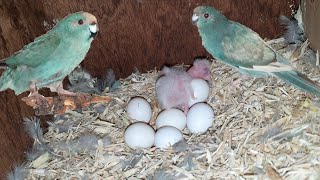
column 60, row 104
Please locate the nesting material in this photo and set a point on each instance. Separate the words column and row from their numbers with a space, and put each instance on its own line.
column 267, row 129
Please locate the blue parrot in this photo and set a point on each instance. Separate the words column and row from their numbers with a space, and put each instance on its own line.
column 240, row 47
column 51, row 57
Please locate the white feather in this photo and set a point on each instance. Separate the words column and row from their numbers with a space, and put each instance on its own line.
column 18, row 173
column 270, row 68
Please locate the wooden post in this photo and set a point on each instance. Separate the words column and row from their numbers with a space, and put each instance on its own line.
column 311, row 19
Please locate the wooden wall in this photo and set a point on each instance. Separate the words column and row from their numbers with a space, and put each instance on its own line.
column 133, row 33
column 311, row 20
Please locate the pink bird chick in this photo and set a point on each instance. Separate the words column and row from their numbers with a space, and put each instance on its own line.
column 173, row 90
column 201, row 69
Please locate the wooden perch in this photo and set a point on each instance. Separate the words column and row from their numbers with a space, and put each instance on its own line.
column 60, row 104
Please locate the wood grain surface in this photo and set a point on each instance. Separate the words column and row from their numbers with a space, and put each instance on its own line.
column 311, row 16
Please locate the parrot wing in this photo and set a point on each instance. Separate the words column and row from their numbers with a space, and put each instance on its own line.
column 34, row 53
column 245, row 49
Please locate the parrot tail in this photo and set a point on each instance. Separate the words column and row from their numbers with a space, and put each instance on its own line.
column 300, row 81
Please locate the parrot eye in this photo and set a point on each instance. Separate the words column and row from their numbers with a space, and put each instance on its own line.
column 80, row 21
column 206, row 15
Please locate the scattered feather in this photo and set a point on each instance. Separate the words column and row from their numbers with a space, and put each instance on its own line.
column 180, row 146
column 81, row 81
column 84, row 87
column 99, row 108
column 294, row 34
column 188, row 163
column 32, row 126
column 36, row 151
column 84, row 143
column 18, row 173
column 106, row 140
column 115, row 86
column 107, row 80
column 60, row 128
column 270, row 132
column 289, row 134
column 79, row 75
column 132, row 161
column 163, row 175
column 88, row 142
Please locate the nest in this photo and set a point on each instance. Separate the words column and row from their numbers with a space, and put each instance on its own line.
column 266, row 129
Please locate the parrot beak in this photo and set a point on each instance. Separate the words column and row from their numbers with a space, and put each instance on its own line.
column 194, row 18
column 91, row 20
column 93, row 29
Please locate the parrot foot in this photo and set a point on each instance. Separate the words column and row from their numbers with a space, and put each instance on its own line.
column 37, row 99
column 34, row 98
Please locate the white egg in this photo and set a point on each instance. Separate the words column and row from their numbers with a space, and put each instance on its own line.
column 200, row 90
column 139, row 109
column 172, row 117
column 139, row 135
column 200, row 118
column 167, row 136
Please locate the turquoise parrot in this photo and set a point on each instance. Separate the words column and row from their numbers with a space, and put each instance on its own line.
column 243, row 49
column 51, row 57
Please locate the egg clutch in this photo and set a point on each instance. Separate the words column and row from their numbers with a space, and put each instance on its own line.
column 182, row 95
